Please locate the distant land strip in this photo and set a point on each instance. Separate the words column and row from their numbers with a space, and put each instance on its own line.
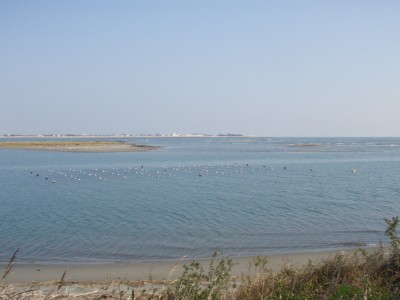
column 142, row 135
column 78, row 146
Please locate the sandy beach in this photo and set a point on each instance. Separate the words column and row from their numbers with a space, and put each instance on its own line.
column 156, row 270
column 77, row 146
column 146, row 280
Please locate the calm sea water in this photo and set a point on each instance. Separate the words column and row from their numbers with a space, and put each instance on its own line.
column 246, row 196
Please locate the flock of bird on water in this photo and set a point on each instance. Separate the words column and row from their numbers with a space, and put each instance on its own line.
column 234, row 169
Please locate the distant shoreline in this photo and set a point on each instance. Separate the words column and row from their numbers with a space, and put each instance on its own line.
column 121, row 136
column 77, row 146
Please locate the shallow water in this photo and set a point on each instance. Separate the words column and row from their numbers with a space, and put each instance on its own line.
column 254, row 196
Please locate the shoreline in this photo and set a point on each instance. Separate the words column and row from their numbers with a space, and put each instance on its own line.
column 152, row 271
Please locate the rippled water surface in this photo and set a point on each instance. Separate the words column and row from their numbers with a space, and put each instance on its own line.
column 246, row 196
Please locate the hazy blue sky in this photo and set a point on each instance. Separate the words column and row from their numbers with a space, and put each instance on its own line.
column 266, row 68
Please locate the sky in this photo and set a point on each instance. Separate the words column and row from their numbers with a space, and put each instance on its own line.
column 262, row 68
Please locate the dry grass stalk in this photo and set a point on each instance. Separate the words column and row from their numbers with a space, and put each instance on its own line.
column 10, row 264
column 175, row 267
column 61, row 281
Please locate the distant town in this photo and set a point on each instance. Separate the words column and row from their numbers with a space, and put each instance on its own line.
column 68, row 135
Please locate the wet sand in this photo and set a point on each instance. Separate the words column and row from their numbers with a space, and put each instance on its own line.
column 77, row 146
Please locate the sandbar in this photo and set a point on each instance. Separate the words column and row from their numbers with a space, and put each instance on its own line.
column 77, row 146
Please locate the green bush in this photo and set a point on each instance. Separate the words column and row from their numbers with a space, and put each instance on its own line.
column 195, row 284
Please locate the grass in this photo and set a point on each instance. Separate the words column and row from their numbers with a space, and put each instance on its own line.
column 356, row 275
